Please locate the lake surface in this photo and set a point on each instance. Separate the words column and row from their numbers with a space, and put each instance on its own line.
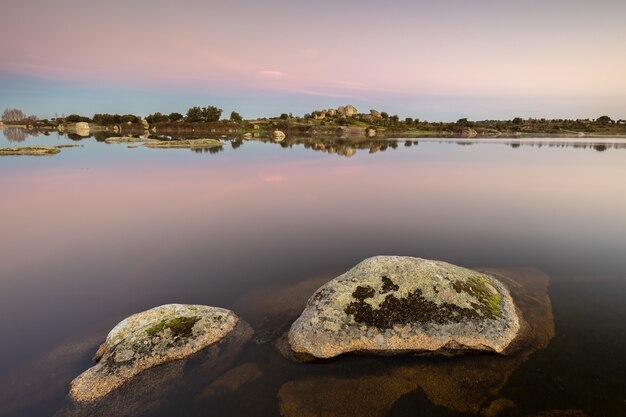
column 101, row 231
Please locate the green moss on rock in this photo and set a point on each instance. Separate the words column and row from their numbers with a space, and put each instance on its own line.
column 488, row 297
column 179, row 326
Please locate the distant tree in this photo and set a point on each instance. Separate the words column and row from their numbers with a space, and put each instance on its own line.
column 110, row 119
column 235, row 117
column 462, row 122
column 75, row 118
column 384, row 115
column 157, row 118
column 284, row 116
column 408, row 121
column 518, row 121
column 194, row 114
column 106, row 119
column 211, row 114
column 13, row 115
column 604, row 120
column 394, row 118
column 130, row 118
column 174, row 117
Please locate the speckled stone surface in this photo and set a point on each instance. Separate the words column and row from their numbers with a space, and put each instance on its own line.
column 150, row 338
column 393, row 304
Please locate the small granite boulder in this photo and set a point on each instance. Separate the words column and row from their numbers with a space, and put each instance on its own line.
column 150, row 338
column 393, row 304
column 468, row 132
column 82, row 129
column 278, row 135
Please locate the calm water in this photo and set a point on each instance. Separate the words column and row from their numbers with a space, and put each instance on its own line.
column 100, row 231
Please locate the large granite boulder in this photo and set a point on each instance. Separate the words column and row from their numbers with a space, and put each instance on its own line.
column 350, row 110
column 392, row 304
column 368, row 387
column 376, row 114
column 150, row 338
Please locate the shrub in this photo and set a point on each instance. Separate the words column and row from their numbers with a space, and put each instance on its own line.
column 235, row 117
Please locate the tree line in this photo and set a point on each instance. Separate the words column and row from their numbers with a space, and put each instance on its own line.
column 210, row 114
column 194, row 114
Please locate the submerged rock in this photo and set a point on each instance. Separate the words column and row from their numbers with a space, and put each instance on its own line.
column 44, row 377
column 392, row 304
column 150, row 338
column 232, row 380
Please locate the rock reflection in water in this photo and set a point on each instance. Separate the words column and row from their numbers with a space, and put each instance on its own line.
column 152, row 389
column 464, row 384
column 272, row 310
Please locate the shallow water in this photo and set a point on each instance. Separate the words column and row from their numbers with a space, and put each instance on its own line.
column 100, row 231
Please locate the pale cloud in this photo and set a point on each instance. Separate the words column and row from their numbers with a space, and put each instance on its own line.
column 271, row 75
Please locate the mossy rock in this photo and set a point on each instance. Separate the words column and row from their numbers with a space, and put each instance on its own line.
column 184, row 144
column 392, row 304
column 30, row 151
column 150, row 338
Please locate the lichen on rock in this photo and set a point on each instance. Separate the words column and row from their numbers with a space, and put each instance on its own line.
column 391, row 304
column 150, row 338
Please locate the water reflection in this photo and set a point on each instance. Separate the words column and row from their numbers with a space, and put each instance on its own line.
column 337, row 145
column 121, row 230
column 213, row 150
column 15, row 134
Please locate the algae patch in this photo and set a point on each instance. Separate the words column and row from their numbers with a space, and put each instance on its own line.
column 179, row 326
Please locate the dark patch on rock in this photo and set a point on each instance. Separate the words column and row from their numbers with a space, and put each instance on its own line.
column 388, row 285
column 401, row 311
column 416, row 308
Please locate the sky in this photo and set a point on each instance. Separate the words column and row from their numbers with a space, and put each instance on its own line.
column 443, row 60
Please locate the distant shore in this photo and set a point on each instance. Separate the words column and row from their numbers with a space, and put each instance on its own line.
column 345, row 121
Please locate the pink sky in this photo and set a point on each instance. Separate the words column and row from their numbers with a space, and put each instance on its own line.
column 365, row 52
